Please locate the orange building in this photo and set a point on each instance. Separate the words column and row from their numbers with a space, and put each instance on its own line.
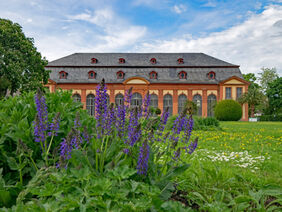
column 170, row 78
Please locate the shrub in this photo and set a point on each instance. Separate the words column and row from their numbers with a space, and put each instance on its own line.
column 208, row 123
column 228, row 110
column 272, row 117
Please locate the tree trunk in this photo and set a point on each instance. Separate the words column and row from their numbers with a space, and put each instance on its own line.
column 252, row 111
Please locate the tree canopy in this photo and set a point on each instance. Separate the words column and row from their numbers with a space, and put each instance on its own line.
column 267, row 76
column 274, row 94
column 21, row 65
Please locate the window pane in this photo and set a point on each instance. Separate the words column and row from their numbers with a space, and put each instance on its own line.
column 119, row 99
column 76, row 98
column 167, row 103
column 153, row 100
column 211, row 104
column 90, row 104
column 136, row 100
column 182, row 99
column 238, row 93
column 197, row 99
column 228, row 93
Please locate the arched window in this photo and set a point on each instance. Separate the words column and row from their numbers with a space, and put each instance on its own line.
column 153, row 75
column 119, row 100
column 211, row 75
column 136, row 100
column 211, row 104
column 120, row 75
column 182, row 75
column 94, row 60
column 153, row 60
column 154, row 100
column 76, row 97
column 197, row 99
column 91, row 75
column 90, row 104
column 168, row 103
column 180, row 60
column 182, row 99
column 63, row 75
column 121, row 60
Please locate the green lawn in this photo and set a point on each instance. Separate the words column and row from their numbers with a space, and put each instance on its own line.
column 238, row 168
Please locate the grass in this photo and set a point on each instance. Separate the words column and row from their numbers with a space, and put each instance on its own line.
column 238, row 168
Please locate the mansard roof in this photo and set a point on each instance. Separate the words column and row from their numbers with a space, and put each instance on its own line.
column 196, row 65
column 140, row 59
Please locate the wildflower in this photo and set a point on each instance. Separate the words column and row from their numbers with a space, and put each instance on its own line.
column 120, row 120
column 126, row 151
column 142, row 165
column 176, row 154
column 54, row 126
column 41, row 120
column 146, row 105
column 193, row 146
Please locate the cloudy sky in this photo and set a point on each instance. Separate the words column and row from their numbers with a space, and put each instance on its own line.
column 243, row 32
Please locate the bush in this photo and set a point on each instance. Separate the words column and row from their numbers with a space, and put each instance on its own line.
column 228, row 110
column 271, row 117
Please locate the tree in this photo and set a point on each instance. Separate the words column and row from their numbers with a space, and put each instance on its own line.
column 267, row 76
column 251, row 78
column 274, row 94
column 20, row 63
column 253, row 97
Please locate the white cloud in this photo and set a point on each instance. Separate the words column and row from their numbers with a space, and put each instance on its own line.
column 210, row 3
column 181, row 8
column 252, row 44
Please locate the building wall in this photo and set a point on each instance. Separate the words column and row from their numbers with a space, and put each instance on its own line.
column 142, row 86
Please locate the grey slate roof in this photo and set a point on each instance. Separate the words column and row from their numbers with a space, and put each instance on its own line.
column 139, row 59
column 197, row 66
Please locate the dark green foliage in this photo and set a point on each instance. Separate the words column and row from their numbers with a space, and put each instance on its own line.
column 20, row 62
column 208, row 123
column 273, row 117
column 155, row 110
column 228, row 110
column 274, row 94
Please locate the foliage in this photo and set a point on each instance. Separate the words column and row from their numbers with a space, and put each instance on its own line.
column 20, row 62
column 191, row 106
column 273, row 117
column 228, row 110
column 267, row 76
column 250, row 77
column 4, row 85
column 274, row 94
column 253, row 97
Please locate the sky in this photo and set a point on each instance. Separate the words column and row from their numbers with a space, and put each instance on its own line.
column 242, row 32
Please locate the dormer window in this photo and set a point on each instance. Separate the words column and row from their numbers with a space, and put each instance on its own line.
column 121, row 60
column 211, row 75
column 182, row 75
column 63, row 75
column 153, row 60
column 120, row 75
column 91, row 75
column 94, row 60
column 153, row 75
column 180, row 60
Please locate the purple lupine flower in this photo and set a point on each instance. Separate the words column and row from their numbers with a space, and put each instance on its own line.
column 146, row 105
column 142, row 165
column 54, row 126
column 126, row 151
column 120, row 123
column 128, row 96
column 41, row 121
column 110, row 119
column 101, row 108
column 192, row 146
column 189, row 129
column 134, row 129
column 85, row 135
column 161, row 126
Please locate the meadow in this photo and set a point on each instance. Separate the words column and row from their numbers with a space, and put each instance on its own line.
column 55, row 157
column 237, row 168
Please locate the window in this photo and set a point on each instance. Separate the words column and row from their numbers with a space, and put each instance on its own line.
column 197, row 99
column 180, row 60
column 119, row 100
column 154, row 100
column 211, row 75
column 121, row 60
column 182, row 99
column 153, row 60
column 167, row 102
column 120, row 75
column 182, row 75
column 136, row 100
column 211, row 104
column 90, row 104
column 238, row 92
column 76, row 98
column 94, row 60
column 63, row 75
column 227, row 93
column 91, row 75
column 153, row 75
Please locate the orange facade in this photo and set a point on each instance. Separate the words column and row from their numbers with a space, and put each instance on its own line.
column 143, row 86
